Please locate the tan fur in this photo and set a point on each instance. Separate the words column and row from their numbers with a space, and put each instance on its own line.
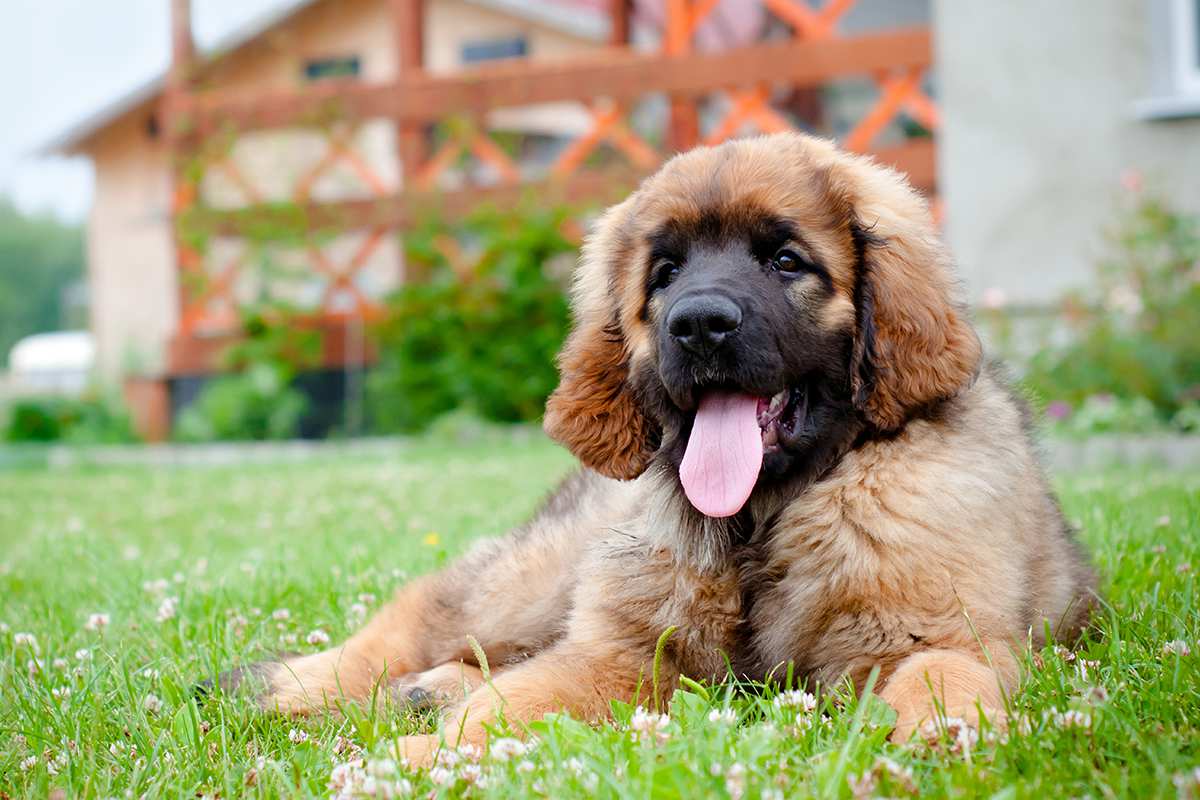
column 935, row 553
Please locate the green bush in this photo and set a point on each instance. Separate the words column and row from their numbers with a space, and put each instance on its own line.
column 255, row 404
column 86, row 420
column 1137, row 334
column 257, row 400
column 483, row 341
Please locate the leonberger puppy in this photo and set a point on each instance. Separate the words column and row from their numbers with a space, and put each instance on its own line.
column 791, row 450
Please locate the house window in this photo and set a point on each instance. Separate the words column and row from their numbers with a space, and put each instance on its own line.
column 319, row 69
column 1186, row 49
column 494, row 49
column 1175, row 56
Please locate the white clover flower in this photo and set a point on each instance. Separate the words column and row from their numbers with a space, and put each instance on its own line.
column 735, row 781
column 29, row 763
column 60, row 664
column 1177, row 647
column 34, row 666
column 83, row 654
column 962, row 736
column 317, row 637
column 61, row 692
column 440, row 776
column 4, row 627
column 1186, row 783
column 648, row 726
column 55, row 763
column 281, row 615
column 574, row 766
column 367, row 598
column 152, row 704
column 297, row 736
column 358, row 610
column 525, row 766
column 25, row 640
column 167, row 609
column 471, row 773
column 1071, row 718
column 506, row 748
column 794, row 698
column 156, row 586
column 723, row 715
column 97, row 622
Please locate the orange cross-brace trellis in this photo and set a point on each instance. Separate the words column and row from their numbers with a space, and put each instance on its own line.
column 749, row 106
column 897, row 92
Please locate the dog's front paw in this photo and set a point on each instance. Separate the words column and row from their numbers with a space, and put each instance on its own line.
column 419, row 751
column 248, row 679
column 270, row 685
column 439, row 687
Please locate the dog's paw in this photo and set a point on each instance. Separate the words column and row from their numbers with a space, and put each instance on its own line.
column 270, row 685
column 439, row 687
column 249, row 679
column 419, row 751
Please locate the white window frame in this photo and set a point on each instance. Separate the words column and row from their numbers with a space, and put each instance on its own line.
column 1175, row 61
column 1185, row 46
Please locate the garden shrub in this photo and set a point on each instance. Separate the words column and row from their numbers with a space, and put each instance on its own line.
column 91, row 419
column 257, row 399
column 481, row 339
column 1136, row 335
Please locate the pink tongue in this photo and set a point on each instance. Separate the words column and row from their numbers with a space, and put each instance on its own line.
column 724, row 454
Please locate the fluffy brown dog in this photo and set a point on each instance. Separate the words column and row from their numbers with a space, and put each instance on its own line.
column 791, row 452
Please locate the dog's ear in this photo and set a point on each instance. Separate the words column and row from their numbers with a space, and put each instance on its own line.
column 914, row 344
column 594, row 411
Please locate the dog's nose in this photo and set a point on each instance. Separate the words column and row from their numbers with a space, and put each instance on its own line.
column 700, row 323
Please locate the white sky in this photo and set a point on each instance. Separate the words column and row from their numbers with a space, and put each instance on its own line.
column 61, row 60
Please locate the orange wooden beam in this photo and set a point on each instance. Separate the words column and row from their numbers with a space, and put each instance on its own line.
column 620, row 75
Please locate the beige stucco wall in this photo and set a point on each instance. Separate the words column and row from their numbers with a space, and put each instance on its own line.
column 130, row 251
column 1039, row 123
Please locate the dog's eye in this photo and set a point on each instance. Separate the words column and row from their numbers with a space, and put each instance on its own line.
column 787, row 261
column 664, row 275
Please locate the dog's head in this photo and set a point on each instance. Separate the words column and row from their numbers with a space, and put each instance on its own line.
column 748, row 303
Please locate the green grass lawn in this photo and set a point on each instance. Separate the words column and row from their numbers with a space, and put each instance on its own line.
column 195, row 569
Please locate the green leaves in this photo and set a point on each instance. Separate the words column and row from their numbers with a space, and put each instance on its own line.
column 480, row 334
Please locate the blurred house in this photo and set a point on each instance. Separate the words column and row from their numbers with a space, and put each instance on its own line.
column 1039, row 110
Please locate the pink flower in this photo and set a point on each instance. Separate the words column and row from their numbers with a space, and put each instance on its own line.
column 994, row 298
column 1058, row 410
column 1131, row 180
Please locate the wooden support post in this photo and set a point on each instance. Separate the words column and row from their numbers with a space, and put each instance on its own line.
column 684, row 129
column 175, row 100
column 408, row 18
column 620, row 14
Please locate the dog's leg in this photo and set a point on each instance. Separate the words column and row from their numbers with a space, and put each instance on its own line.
column 953, row 683
column 391, row 644
column 512, row 595
column 574, row 677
